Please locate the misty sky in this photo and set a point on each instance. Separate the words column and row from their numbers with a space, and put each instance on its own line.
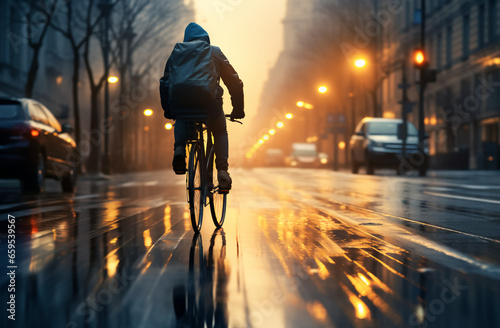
column 250, row 33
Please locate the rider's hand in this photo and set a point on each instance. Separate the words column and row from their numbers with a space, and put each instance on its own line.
column 237, row 114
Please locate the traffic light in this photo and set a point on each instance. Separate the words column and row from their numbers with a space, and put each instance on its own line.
column 419, row 59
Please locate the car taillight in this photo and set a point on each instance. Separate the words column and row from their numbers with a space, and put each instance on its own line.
column 23, row 132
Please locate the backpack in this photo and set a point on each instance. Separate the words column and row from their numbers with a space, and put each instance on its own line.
column 192, row 74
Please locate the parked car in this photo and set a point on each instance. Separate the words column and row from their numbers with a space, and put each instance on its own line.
column 34, row 146
column 378, row 143
column 303, row 155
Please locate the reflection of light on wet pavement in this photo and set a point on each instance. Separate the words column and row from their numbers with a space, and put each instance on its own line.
column 317, row 311
column 167, row 219
column 147, row 238
column 111, row 263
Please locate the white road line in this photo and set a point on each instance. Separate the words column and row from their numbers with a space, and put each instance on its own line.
column 491, row 201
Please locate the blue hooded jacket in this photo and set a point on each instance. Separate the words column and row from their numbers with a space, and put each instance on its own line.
column 195, row 32
column 224, row 69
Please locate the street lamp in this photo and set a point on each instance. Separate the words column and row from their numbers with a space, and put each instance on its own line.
column 272, row 131
column 360, row 63
column 112, row 79
column 322, row 89
column 168, row 126
column 300, row 104
column 289, row 116
column 148, row 112
column 280, row 125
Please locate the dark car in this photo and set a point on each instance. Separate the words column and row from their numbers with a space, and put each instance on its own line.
column 34, row 145
column 378, row 144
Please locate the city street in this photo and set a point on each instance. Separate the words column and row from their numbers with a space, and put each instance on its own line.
column 299, row 248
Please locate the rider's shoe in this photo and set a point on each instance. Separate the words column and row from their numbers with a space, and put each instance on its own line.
column 224, row 181
column 179, row 162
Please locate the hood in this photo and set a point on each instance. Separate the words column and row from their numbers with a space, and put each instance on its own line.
column 195, row 32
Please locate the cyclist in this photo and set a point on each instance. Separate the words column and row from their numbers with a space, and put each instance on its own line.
column 216, row 121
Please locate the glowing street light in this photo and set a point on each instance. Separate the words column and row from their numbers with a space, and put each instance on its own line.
column 300, row 104
column 272, row 131
column 112, row 79
column 289, row 116
column 266, row 137
column 280, row 125
column 261, row 141
column 148, row 112
column 168, row 126
column 342, row 145
column 322, row 89
column 360, row 63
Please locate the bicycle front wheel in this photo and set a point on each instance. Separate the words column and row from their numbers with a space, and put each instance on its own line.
column 217, row 200
column 196, row 187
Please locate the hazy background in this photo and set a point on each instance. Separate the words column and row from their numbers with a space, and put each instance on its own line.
column 250, row 33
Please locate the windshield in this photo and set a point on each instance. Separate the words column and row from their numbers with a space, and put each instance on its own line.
column 389, row 128
column 10, row 112
column 305, row 153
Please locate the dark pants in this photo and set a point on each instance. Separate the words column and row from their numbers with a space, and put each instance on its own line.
column 216, row 124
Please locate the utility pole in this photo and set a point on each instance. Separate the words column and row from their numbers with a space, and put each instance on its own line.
column 423, row 83
column 106, row 6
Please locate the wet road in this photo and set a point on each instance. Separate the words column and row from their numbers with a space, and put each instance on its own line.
column 299, row 248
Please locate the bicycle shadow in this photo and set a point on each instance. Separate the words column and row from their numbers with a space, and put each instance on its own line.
column 198, row 305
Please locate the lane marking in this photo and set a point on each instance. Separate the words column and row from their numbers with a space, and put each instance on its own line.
column 490, row 201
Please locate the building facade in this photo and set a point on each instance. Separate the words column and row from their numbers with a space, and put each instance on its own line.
column 462, row 109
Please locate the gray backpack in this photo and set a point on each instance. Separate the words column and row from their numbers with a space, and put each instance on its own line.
column 192, row 74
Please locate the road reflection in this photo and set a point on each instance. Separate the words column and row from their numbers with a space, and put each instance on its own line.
column 207, row 273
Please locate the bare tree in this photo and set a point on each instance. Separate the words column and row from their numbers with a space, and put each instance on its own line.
column 37, row 15
column 72, row 27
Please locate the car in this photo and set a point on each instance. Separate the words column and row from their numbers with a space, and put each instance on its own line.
column 378, row 143
column 34, row 146
column 275, row 157
column 303, row 155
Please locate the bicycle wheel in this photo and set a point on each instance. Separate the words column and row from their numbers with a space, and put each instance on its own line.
column 196, row 186
column 217, row 200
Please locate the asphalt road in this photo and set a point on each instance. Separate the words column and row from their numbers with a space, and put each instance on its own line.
column 299, row 248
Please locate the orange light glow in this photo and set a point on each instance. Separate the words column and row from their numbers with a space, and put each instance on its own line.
column 168, row 126
column 272, row 131
column 419, row 57
column 280, row 125
column 360, row 63
column 35, row 133
column 289, row 116
column 112, row 79
column 341, row 145
column 146, row 128
column 300, row 103
column 322, row 89
column 148, row 112
column 266, row 137
column 389, row 115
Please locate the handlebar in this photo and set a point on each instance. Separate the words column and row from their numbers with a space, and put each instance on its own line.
column 233, row 120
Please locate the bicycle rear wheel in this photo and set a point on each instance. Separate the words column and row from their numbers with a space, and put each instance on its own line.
column 217, row 201
column 196, row 187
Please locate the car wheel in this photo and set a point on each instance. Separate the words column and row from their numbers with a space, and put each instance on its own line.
column 34, row 182
column 369, row 167
column 354, row 166
column 68, row 181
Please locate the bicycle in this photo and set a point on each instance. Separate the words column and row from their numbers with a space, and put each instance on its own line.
column 201, row 179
